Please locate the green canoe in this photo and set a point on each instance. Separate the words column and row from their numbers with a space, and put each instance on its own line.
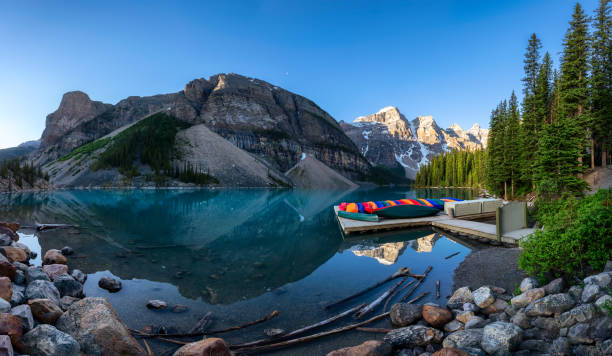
column 406, row 211
column 358, row 216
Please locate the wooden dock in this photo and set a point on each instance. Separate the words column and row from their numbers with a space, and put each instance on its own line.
column 463, row 225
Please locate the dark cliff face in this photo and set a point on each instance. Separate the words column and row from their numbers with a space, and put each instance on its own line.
column 256, row 116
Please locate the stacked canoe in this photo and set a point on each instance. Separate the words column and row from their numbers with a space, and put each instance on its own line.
column 398, row 209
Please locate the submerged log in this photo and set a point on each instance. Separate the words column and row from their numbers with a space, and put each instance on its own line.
column 201, row 325
column 402, row 272
column 396, row 292
column 374, row 330
column 417, row 284
column 370, row 307
column 451, row 255
column 438, row 289
column 43, row 227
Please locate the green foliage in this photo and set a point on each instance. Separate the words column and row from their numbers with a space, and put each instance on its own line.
column 86, row 149
column 188, row 173
column 453, row 169
column 607, row 305
column 20, row 171
column 575, row 238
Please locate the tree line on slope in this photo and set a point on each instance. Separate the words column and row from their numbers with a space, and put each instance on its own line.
column 453, row 169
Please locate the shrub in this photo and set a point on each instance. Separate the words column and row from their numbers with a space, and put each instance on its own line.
column 575, row 238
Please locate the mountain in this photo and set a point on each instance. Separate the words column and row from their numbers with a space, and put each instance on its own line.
column 19, row 151
column 388, row 138
column 271, row 129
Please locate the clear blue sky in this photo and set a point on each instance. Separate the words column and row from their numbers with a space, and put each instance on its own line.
column 451, row 59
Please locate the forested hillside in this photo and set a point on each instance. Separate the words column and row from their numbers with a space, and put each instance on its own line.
column 560, row 130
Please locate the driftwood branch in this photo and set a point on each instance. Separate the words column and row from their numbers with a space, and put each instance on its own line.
column 43, row 227
column 370, row 307
column 438, row 289
column 451, row 255
column 149, row 352
column 402, row 272
column 201, row 325
column 417, row 298
column 298, row 331
column 417, row 284
column 309, row 337
column 374, row 330
column 395, row 293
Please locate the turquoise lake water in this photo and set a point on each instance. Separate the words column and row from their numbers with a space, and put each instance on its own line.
column 237, row 253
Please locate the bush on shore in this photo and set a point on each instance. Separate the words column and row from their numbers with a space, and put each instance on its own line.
column 575, row 238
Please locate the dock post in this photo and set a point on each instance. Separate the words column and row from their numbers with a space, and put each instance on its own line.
column 498, row 220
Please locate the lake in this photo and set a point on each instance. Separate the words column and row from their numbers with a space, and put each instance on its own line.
column 239, row 254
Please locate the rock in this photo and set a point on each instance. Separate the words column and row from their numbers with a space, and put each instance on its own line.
column 470, row 307
column 555, row 286
column 465, row 316
column 6, row 348
column 499, row 305
column 601, row 328
column 5, row 306
column 535, row 345
column 7, row 270
column 19, row 277
column 403, row 314
column 110, row 284
column 5, row 240
column 18, row 295
column 459, row 297
column 603, row 279
column 523, row 299
column 45, row 310
column 68, row 286
column 67, row 251
column 511, row 309
column 36, row 273
column 521, row 319
column 14, row 254
column 48, row 341
column 212, row 346
column 581, row 313
column 585, row 350
column 55, row 270
column 4, row 230
column 178, row 308
column 24, row 313
column 368, row 348
column 601, row 301
column 499, row 337
column 66, row 301
column 499, row 317
column 414, row 335
column 579, row 334
column 528, row 283
column 575, row 292
column 551, row 304
column 54, row 256
column 20, row 266
column 451, row 351
column 156, row 304
column 550, row 324
column 453, row 326
column 560, row 346
column 41, row 289
column 97, row 328
column 12, row 326
column 608, row 267
column 436, row 316
column 463, row 339
column 590, row 293
column 14, row 226
column 6, row 288
column 476, row 323
column 483, row 297
column 78, row 275
column 606, row 346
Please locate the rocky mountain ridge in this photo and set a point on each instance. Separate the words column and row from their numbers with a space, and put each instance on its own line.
column 388, row 138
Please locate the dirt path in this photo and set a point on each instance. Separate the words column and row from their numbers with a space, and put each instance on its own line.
column 493, row 266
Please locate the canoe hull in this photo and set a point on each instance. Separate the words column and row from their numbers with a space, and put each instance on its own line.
column 358, row 216
column 406, row 211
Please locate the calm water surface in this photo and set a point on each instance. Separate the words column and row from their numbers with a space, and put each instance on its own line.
column 239, row 254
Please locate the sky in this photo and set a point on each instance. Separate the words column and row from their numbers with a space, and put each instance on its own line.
column 454, row 60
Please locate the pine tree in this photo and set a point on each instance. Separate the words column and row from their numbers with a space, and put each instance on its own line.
column 601, row 81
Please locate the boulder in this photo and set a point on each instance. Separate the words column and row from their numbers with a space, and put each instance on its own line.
column 465, row 316
column 45, row 310
column 66, row 301
column 523, row 299
column 12, row 326
column 18, row 295
column 48, row 341
column 5, row 240
column 67, row 251
column 55, row 270
column 5, row 306
column 601, row 301
column 453, row 326
column 414, row 335
column 528, row 283
column 560, row 346
column 450, row 351
column 500, row 337
column 14, row 254
column 14, row 226
column 470, row 307
column 535, row 345
column 206, row 347
column 403, row 314
column 483, row 297
column 498, row 306
column 36, row 273
column 110, row 284
column 579, row 334
column 603, row 279
column 6, row 288
column 24, row 313
column 436, row 316
column 156, row 304
column 551, row 304
column 590, row 292
column 19, row 277
column 97, row 328
column 575, row 292
column 463, row 339
column 601, row 328
column 476, row 323
column 555, row 286
column 522, row 320
column 5, row 230
column 7, row 270
column 459, row 297
column 368, row 348
column 68, row 286
column 6, row 348
column 41, row 289
column 78, row 275
column 546, row 323
column 581, row 313
column 54, row 256
column 606, row 346
column 499, row 317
